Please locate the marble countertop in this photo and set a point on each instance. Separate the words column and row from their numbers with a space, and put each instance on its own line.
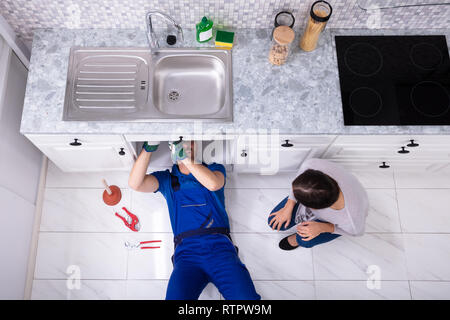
column 300, row 97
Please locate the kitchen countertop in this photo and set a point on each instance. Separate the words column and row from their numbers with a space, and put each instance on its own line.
column 300, row 97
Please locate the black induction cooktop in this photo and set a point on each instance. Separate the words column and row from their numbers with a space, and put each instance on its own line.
column 394, row 80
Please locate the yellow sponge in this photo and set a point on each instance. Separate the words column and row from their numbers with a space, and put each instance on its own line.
column 224, row 39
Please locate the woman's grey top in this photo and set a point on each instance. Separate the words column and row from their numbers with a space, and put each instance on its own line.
column 351, row 219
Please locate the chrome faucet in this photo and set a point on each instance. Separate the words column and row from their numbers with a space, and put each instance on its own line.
column 151, row 36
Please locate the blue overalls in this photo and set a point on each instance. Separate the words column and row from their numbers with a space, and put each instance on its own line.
column 204, row 251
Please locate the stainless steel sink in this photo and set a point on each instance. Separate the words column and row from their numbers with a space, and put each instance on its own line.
column 132, row 84
column 189, row 84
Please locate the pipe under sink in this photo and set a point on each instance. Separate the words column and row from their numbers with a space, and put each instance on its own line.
column 133, row 84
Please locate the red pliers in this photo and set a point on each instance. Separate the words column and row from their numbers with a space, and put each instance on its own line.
column 144, row 242
column 138, row 245
column 131, row 221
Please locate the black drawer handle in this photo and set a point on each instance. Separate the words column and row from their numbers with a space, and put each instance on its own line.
column 243, row 154
column 403, row 151
column 287, row 144
column 75, row 143
column 412, row 144
column 121, row 152
column 384, row 166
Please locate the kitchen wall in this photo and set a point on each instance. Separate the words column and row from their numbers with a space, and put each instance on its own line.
column 26, row 15
column 20, row 163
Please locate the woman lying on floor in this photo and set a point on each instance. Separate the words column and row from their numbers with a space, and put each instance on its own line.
column 325, row 202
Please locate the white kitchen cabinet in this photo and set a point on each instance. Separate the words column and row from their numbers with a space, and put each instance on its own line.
column 272, row 160
column 253, row 154
column 431, row 150
column 83, row 153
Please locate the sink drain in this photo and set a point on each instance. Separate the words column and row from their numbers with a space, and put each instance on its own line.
column 173, row 95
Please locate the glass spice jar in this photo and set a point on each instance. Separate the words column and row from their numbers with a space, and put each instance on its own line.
column 281, row 43
column 283, row 18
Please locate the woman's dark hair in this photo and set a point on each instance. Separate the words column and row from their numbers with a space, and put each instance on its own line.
column 316, row 190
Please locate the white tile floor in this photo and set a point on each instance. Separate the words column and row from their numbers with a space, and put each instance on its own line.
column 407, row 241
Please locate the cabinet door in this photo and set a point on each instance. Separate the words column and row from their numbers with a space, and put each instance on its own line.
column 283, row 154
column 89, row 157
column 364, row 152
column 421, row 167
column 382, row 148
column 273, row 160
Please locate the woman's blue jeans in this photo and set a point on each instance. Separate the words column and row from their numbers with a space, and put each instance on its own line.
column 321, row 238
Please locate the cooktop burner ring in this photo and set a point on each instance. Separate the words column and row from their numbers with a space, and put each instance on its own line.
column 363, row 59
column 420, row 99
column 365, row 102
column 426, row 56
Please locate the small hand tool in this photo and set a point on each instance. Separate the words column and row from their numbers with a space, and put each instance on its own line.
column 131, row 221
column 138, row 245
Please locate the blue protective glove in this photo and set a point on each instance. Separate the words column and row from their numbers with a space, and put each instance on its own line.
column 150, row 146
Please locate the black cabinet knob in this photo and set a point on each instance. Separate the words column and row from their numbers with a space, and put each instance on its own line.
column 287, row 144
column 75, row 143
column 121, row 152
column 403, row 151
column 243, row 154
column 412, row 144
column 384, row 166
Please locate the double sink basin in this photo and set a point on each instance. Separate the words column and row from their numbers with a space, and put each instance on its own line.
column 136, row 85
